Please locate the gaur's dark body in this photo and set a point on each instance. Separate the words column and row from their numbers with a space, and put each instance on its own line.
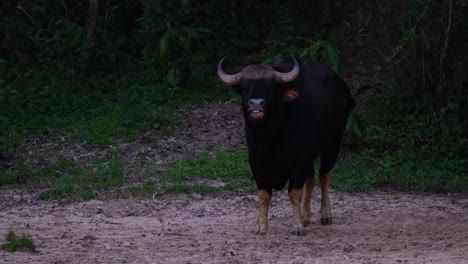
column 283, row 147
column 291, row 118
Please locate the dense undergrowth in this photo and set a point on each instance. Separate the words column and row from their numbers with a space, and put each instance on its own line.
column 103, row 71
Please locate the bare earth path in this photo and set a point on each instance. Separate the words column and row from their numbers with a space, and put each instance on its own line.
column 367, row 228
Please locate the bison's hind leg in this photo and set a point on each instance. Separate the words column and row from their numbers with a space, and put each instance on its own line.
column 325, row 209
column 306, row 197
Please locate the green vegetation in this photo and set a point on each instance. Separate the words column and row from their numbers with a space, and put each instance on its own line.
column 110, row 75
column 146, row 188
column 204, row 174
column 67, row 180
column 231, row 168
column 404, row 171
column 15, row 243
column 6, row 178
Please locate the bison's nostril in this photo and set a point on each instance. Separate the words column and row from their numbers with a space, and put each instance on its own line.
column 260, row 102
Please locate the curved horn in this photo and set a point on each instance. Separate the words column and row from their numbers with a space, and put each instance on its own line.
column 288, row 76
column 229, row 79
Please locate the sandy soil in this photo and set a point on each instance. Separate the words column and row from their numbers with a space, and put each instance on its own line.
column 367, row 228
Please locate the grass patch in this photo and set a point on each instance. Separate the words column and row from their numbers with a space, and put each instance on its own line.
column 7, row 178
column 147, row 188
column 67, row 180
column 84, row 182
column 15, row 243
column 401, row 170
column 231, row 168
column 110, row 121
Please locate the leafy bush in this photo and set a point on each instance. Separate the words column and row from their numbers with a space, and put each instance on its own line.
column 429, row 101
column 174, row 40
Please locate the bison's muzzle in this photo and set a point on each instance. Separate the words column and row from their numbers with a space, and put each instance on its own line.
column 256, row 110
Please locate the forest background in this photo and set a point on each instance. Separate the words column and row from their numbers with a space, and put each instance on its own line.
column 107, row 71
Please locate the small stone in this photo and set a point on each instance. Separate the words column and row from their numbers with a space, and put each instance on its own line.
column 89, row 237
column 17, row 198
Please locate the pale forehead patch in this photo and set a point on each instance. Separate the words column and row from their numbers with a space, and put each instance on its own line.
column 256, row 72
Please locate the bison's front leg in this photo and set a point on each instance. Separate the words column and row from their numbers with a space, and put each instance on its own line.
column 306, row 197
column 295, row 196
column 264, row 199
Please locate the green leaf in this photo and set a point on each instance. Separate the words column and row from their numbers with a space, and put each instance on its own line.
column 173, row 76
column 164, row 45
column 332, row 57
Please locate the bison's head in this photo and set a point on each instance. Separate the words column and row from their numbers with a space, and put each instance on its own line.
column 261, row 88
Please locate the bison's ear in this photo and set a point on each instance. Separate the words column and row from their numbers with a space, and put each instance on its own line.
column 289, row 95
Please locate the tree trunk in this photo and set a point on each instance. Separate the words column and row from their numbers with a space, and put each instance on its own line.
column 92, row 22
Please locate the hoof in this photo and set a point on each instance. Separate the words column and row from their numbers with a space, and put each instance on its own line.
column 299, row 232
column 326, row 220
column 261, row 230
column 306, row 223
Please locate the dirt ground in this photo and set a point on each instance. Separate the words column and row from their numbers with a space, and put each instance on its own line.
column 367, row 228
